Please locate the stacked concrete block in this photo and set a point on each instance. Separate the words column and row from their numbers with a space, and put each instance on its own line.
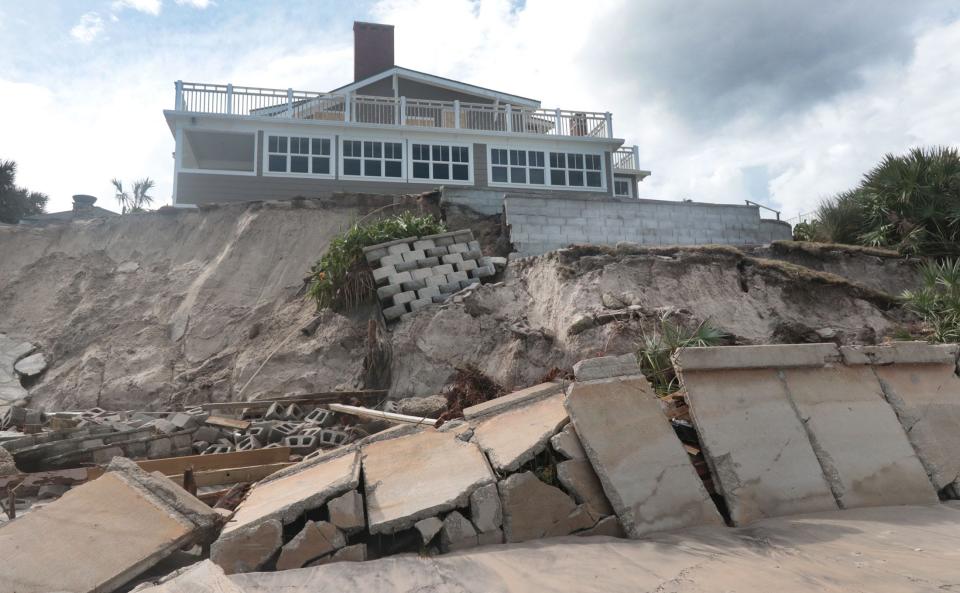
column 414, row 273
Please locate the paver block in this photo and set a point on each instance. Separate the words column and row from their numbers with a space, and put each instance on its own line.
column 443, row 270
column 400, row 278
column 413, row 256
column 515, row 436
column 404, row 297
column 424, row 244
column 646, row 474
column 453, row 258
column 383, row 274
column 414, row 285
column 394, row 312
column 456, row 276
column 406, row 266
column 437, row 252
column 420, row 303
column 398, row 248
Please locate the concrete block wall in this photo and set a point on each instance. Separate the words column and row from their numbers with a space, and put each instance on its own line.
column 486, row 202
column 415, row 272
column 541, row 224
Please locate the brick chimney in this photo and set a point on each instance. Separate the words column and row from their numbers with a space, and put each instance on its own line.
column 372, row 49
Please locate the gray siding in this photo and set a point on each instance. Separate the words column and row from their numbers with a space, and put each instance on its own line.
column 412, row 89
column 480, row 165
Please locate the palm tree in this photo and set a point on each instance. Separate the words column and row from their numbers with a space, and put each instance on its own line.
column 133, row 201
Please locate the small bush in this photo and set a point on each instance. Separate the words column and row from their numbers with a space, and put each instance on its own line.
column 341, row 279
column 937, row 301
column 657, row 347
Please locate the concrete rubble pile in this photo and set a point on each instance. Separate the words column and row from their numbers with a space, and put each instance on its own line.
column 415, row 272
column 19, row 361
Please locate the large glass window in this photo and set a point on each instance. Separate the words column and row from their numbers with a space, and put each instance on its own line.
column 298, row 154
column 372, row 158
column 531, row 167
column 517, row 166
column 622, row 187
column 574, row 169
column 440, row 162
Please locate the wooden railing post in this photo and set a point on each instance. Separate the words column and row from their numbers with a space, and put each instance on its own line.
column 456, row 113
column 609, row 118
column 509, row 118
column 403, row 111
column 289, row 102
column 636, row 157
column 559, row 122
column 346, row 107
column 178, row 101
column 229, row 98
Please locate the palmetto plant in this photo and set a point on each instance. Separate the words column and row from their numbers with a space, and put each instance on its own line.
column 937, row 301
column 136, row 200
column 658, row 345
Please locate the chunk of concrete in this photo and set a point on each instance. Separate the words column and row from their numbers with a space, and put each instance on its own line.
column 855, row 434
column 605, row 367
column 579, row 479
column 528, row 395
column 346, row 512
column 101, row 534
column 645, row 472
column 515, row 436
column 316, row 539
column 760, row 457
column 756, row 357
column 420, row 475
column 202, row 577
column 608, row 526
column 31, row 365
column 900, row 353
column 457, row 533
column 248, row 549
column 429, row 407
column 283, row 497
column 354, row 553
column 567, row 443
column 534, row 510
column 485, row 508
column 428, row 528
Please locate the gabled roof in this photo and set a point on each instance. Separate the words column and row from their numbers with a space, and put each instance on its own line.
column 442, row 82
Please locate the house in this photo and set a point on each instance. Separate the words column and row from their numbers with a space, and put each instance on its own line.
column 83, row 209
column 392, row 130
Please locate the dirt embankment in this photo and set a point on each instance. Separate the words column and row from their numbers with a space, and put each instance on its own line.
column 158, row 309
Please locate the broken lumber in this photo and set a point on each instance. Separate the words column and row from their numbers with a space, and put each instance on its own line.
column 319, row 398
column 381, row 415
column 233, row 475
column 224, row 422
column 172, row 466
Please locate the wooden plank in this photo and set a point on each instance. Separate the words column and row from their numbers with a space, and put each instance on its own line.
column 224, row 422
column 219, row 477
column 172, row 466
column 320, row 397
column 381, row 415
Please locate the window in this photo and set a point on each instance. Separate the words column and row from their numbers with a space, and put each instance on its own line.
column 372, row 158
column 220, row 152
column 622, row 187
column 531, row 167
column 440, row 162
column 298, row 154
column 517, row 166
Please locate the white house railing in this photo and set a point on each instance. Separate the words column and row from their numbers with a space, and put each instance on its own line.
column 627, row 157
column 227, row 99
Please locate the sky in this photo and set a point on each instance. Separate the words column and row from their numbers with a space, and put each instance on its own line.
column 785, row 102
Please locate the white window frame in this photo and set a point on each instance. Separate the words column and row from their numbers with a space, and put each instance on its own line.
column 567, row 169
column 526, row 166
column 256, row 139
column 450, row 146
column 623, row 179
column 266, row 156
column 547, row 169
column 383, row 160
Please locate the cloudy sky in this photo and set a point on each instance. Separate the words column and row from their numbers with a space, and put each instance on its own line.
column 780, row 101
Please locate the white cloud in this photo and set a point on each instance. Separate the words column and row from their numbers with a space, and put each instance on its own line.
column 201, row 4
column 88, row 28
column 147, row 6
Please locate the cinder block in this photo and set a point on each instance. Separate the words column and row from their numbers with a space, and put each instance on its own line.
column 453, row 258
column 400, row 278
column 382, row 274
column 374, row 255
column 426, row 293
column 394, row 312
column 391, row 260
column 428, row 262
column 420, row 304
column 444, row 241
column 483, row 272
column 472, row 254
column 440, row 298
column 423, row 244
column 450, row 287
column 421, row 274
column 469, row 283
column 405, row 266
column 456, row 276
column 443, row 269
column 463, row 236
column 404, row 297
column 413, row 255
column 436, row 251
column 438, row 280
column 458, row 248
column 414, row 285
column 398, row 248
column 385, row 292
column 474, row 245
column 466, row 266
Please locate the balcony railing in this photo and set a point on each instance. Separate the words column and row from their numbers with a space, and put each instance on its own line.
column 627, row 157
column 389, row 111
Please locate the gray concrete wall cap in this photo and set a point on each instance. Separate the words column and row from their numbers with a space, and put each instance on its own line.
column 900, row 352
column 756, row 357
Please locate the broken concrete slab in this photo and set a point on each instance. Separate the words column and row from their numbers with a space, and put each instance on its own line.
column 608, row 526
column 283, row 497
column 346, row 512
column 646, row 474
column 428, row 528
column 760, row 457
column 528, row 395
column 900, row 353
column 534, row 510
column 756, row 357
column 457, row 533
column 202, row 577
column 103, row 533
column 579, row 479
column 31, row 365
column 316, row 539
column 567, row 443
column 863, row 450
column 248, row 549
column 419, row 475
column 605, row 367
column 515, row 436
column 485, row 508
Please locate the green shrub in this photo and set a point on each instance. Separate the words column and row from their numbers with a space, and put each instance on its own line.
column 804, row 231
column 657, row 347
column 341, row 279
column 937, row 301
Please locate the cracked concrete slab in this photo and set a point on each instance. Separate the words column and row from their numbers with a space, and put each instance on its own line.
column 418, row 476
column 645, row 472
column 515, row 436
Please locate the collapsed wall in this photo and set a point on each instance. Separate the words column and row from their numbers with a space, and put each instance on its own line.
column 175, row 307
